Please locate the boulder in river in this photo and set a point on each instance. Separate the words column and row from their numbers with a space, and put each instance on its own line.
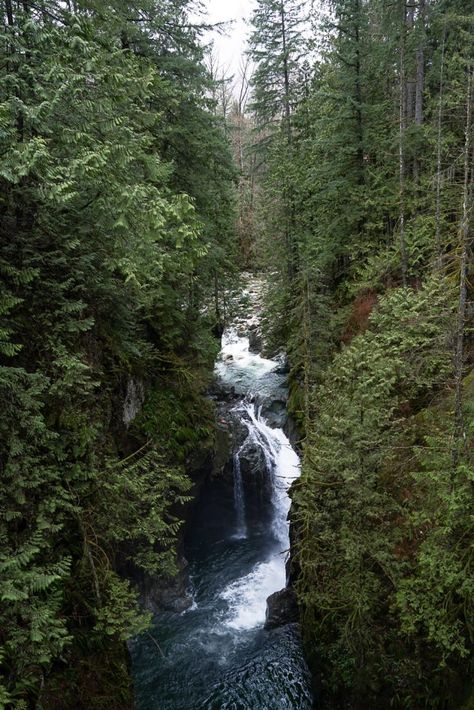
column 282, row 609
column 276, row 414
column 255, row 339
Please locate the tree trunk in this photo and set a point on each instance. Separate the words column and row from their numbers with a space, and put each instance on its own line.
column 401, row 156
column 420, row 67
column 439, row 249
column 420, row 82
column 408, row 24
column 358, row 94
column 290, row 218
column 459, row 425
column 9, row 11
column 286, row 73
column 217, row 310
column 307, row 347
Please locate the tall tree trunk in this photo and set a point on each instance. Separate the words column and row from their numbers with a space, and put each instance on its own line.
column 217, row 310
column 410, row 81
column 240, row 159
column 459, row 426
column 439, row 249
column 9, row 11
column 358, row 93
column 290, row 218
column 307, row 346
column 286, row 73
column 420, row 67
column 420, row 82
column 401, row 154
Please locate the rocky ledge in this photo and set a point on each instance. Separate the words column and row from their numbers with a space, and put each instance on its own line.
column 282, row 609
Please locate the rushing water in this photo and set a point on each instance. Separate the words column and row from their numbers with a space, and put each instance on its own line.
column 239, row 498
column 217, row 655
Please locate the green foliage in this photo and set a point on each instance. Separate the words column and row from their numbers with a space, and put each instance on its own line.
column 366, row 206
column 151, row 488
column 120, row 615
column 116, row 229
column 181, row 421
column 276, row 43
column 380, row 579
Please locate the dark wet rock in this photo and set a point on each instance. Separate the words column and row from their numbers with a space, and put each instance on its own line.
column 222, row 446
column 283, row 364
column 218, row 329
column 257, row 485
column 168, row 594
column 276, row 414
column 255, row 340
column 224, row 393
column 253, row 466
column 293, row 433
column 282, row 609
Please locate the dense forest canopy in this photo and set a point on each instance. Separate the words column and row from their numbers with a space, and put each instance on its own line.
column 134, row 185
column 116, row 224
column 365, row 220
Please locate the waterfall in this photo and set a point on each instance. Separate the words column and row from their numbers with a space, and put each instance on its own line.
column 281, row 462
column 247, row 596
column 283, row 467
column 239, row 500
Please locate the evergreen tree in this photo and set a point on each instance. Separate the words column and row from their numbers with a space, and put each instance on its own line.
column 276, row 47
column 376, row 320
column 107, row 240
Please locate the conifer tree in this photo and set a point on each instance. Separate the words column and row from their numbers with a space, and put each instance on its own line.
column 381, row 180
column 107, row 238
column 276, row 47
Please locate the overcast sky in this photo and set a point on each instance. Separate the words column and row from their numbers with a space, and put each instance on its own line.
column 230, row 46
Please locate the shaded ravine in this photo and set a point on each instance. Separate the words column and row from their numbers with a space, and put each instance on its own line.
column 217, row 654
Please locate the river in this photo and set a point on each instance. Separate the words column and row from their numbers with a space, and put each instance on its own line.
column 217, row 655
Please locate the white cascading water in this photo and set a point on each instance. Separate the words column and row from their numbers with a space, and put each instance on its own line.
column 240, row 368
column 246, row 597
column 239, row 499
